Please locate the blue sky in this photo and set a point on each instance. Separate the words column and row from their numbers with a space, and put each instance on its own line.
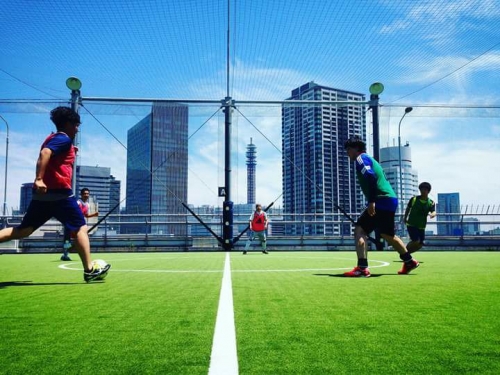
column 443, row 53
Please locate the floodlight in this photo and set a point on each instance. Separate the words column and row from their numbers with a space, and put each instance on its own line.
column 73, row 83
column 376, row 88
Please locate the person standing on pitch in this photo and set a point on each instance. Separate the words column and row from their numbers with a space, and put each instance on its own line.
column 417, row 210
column 381, row 210
column 258, row 226
column 84, row 205
column 52, row 194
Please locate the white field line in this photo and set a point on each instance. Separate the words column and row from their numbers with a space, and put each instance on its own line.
column 224, row 357
column 76, row 266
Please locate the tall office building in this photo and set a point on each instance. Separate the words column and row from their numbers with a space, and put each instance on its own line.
column 471, row 226
column 251, row 167
column 157, row 162
column 114, row 194
column 317, row 173
column 104, row 188
column 448, row 210
column 26, row 197
column 389, row 160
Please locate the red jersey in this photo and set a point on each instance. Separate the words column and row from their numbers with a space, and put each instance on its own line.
column 84, row 206
column 59, row 170
column 258, row 221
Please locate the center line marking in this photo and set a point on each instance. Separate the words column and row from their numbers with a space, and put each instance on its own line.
column 224, row 357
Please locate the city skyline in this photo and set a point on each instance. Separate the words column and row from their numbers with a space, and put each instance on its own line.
column 440, row 57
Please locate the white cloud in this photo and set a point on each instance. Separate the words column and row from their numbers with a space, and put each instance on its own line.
column 250, row 82
column 459, row 167
column 453, row 14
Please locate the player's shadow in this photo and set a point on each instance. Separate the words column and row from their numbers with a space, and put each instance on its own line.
column 345, row 277
column 5, row 284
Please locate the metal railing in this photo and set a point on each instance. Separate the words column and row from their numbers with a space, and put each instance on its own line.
column 291, row 231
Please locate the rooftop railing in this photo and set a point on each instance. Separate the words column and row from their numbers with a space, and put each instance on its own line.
column 182, row 232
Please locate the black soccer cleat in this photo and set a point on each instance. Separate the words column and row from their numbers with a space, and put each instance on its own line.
column 96, row 273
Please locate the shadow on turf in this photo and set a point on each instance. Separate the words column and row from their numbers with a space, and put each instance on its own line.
column 5, row 284
column 345, row 277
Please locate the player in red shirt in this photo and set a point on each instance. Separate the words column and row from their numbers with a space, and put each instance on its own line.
column 258, row 225
column 52, row 193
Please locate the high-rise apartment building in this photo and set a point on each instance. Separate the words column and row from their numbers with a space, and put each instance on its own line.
column 407, row 180
column 157, row 162
column 448, row 214
column 317, row 173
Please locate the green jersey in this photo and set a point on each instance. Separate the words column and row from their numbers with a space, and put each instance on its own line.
column 375, row 186
column 419, row 209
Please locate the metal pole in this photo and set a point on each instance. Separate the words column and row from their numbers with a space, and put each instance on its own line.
column 75, row 100
column 227, row 214
column 375, row 120
column 6, row 165
column 376, row 89
column 228, row 50
column 400, row 165
column 407, row 110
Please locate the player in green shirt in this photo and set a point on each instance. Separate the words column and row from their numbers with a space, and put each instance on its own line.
column 417, row 210
column 380, row 212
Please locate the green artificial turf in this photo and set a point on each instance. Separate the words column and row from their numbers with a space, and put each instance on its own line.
column 442, row 318
column 133, row 322
column 294, row 314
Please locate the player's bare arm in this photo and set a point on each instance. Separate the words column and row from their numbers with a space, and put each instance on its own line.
column 41, row 167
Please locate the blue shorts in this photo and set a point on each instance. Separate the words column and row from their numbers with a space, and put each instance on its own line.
column 416, row 234
column 65, row 210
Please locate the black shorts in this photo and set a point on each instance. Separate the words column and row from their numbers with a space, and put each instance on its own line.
column 382, row 220
column 416, row 234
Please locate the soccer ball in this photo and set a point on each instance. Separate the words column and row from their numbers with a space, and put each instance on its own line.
column 100, row 264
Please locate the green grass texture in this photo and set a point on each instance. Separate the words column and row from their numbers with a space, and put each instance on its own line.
column 294, row 314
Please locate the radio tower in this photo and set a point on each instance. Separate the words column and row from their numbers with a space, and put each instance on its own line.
column 251, row 164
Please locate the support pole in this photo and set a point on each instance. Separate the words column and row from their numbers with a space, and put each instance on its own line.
column 4, row 223
column 376, row 89
column 74, row 84
column 375, row 121
column 227, row 213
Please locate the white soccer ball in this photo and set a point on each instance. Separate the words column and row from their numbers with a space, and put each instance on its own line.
column 100, row 264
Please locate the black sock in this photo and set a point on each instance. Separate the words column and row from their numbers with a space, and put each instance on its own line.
column 406, row 257
column 363, row 263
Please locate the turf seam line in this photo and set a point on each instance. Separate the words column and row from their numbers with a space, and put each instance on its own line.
column 224, row 357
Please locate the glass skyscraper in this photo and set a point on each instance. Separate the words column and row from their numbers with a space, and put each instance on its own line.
column 98, row 180
column 26, row 197
column 317, row 173
column 448, row 210
column 157, row 162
